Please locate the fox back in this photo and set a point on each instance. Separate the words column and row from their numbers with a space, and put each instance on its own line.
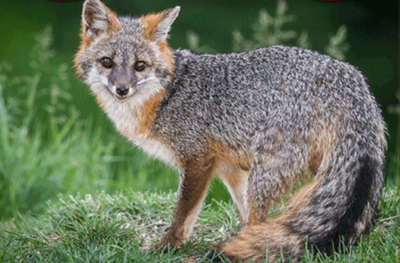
column 260, row 120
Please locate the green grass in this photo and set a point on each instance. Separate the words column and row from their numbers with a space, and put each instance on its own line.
column 117, row 228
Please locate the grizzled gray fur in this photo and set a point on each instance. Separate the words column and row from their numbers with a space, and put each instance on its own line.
column 271, row 103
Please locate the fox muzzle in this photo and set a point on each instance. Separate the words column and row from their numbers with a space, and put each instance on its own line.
column 122, row 90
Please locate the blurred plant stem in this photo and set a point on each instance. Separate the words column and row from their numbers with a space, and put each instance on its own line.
column 398, row 137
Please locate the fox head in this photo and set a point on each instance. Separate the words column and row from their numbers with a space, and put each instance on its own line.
column 123, row 58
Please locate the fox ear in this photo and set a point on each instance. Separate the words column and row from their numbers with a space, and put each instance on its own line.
column 97, row 19
column 157, row 26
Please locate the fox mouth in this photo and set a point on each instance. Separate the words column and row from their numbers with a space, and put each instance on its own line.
column 120, row 98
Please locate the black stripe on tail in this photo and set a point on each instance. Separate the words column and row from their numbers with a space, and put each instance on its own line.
column 365, row 195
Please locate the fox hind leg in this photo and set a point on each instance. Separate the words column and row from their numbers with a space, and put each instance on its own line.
column 235, row 179
column 271, row 172
column 276, row 163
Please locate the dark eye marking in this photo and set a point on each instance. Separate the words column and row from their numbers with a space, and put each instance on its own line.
column 140, row 65
column 107, row 62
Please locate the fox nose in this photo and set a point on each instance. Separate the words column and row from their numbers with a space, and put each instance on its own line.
column 122, row 89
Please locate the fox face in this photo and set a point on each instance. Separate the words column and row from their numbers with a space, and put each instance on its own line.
column 124, row 59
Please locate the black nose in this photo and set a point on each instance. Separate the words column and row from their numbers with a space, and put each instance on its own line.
column 122, row 89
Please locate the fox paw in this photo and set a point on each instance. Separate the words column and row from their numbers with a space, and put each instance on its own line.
column 164, row 246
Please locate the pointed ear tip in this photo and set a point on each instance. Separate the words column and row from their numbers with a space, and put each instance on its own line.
column 91, row 2
column 87, row 2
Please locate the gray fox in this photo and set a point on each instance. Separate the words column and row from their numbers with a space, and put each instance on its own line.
column 259, row 120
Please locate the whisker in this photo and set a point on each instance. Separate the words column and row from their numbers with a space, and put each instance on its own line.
column 147, row 80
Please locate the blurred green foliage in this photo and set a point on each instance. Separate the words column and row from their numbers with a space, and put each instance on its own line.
column 47, row 149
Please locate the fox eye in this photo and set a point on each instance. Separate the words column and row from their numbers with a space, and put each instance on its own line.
column 107, row 62
column 140, row 65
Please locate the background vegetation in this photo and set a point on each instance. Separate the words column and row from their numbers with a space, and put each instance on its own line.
column 54, row 138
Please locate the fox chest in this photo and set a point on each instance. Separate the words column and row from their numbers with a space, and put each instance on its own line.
column 136, row 130
column 155, row 148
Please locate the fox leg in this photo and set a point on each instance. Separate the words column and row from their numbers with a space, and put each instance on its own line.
column 234, row 178
column 275, row 164
column 268, row 179
column 195, row 180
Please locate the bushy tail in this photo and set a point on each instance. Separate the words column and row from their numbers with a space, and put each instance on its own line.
column 338, row 205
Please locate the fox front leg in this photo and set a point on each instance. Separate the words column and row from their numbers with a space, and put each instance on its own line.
column 194, row 183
